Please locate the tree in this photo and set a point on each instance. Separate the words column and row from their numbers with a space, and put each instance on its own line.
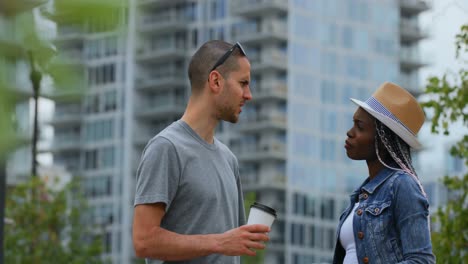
column 48, row 225
column 449, row 104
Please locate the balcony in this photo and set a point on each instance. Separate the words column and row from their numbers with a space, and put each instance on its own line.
column 159, row 3
column 273, row 150
column 250, row 8
column 159, row 82
column 65, row 144
column 254, row 182
column 71, row 57
column 410, row 60
column 161, row 107
column 171, row 21
column 65, row 119
column 413, row 7
column 258, row 33
column 271, row 90
column 69, row 33
column 411, row 32
column 264, row 122
column 64, row 95
column 273, row 59
column 161, row 53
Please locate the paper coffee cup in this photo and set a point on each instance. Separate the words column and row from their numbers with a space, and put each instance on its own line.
column 261, row 214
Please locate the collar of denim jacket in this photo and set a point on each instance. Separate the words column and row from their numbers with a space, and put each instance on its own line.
column 370, row 186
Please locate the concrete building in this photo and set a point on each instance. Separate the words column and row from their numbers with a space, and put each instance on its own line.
column 308, row 58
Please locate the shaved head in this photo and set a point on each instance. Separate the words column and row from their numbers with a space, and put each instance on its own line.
column 205, row 58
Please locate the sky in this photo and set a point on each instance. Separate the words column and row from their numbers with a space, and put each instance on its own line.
column 443, row 22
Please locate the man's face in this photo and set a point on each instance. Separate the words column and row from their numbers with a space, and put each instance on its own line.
column 235, row 93
column 361, row 137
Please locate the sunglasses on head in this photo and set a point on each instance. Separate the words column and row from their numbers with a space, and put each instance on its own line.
column 227, row 54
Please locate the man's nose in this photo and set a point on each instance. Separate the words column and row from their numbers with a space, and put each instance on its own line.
column 248, row 94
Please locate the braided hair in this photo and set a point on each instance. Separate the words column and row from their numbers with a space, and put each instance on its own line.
column 398, row 149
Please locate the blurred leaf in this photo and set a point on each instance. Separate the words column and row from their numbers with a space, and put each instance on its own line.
column 80, row 11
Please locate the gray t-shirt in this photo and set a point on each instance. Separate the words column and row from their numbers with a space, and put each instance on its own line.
column 199, row 183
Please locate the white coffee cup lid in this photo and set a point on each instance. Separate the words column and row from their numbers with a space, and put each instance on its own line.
column 264, row 208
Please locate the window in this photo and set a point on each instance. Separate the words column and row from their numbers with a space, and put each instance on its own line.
column 328, row 63
column 98, row 186
column 356, row 67
column 328, row 91
column 357, row 10
column 328, row 34
column 297, row 234
column 90, row 159
column 328, row 150
column 347, row 37
column 312, row 233
column 327, row 208
column 110, row 101
column 304, row 27
column 97, row 130
column 218, row 9
column 103, row 74
column 101, row 47
column 107, row 157
column 328, row 119
column 91, row 104
column 194, row 38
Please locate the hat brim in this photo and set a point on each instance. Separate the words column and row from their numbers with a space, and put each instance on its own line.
column 396, row 127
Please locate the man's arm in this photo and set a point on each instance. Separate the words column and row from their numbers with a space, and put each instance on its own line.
column 152, row 241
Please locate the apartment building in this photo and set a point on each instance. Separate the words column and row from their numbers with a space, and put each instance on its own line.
column 308, row 58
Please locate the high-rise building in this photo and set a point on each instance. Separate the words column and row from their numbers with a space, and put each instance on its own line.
column 308, row 58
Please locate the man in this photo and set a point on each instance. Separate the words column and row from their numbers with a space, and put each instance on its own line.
column 188, row 201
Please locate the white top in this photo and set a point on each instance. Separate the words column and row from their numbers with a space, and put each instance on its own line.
column 347, row 238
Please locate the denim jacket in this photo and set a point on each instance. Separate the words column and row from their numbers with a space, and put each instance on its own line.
column 391, row 223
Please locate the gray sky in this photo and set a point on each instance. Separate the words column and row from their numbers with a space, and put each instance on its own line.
column 443, row 22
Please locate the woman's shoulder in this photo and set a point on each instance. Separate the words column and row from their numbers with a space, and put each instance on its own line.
column 405, row 184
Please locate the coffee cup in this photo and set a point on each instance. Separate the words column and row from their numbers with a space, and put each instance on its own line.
column 261, row 214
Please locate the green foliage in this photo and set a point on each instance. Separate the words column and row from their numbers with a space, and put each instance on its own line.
column 449, row 102
column 450, row 243
column 47, row 225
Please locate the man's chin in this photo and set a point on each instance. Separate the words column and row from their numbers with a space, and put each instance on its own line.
column 232, row 119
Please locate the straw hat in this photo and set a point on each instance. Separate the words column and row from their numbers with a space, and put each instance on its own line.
column 398, row 110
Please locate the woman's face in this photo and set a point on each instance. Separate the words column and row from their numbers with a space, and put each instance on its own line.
column 359, row 144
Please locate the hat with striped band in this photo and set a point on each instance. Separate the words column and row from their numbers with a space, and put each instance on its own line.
column 398, row 110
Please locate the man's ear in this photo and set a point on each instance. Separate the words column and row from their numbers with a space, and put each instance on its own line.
column 215, row 82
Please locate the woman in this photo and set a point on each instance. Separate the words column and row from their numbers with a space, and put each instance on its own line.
column 387, row 220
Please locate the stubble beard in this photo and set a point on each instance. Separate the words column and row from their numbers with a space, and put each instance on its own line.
column 228, row 114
